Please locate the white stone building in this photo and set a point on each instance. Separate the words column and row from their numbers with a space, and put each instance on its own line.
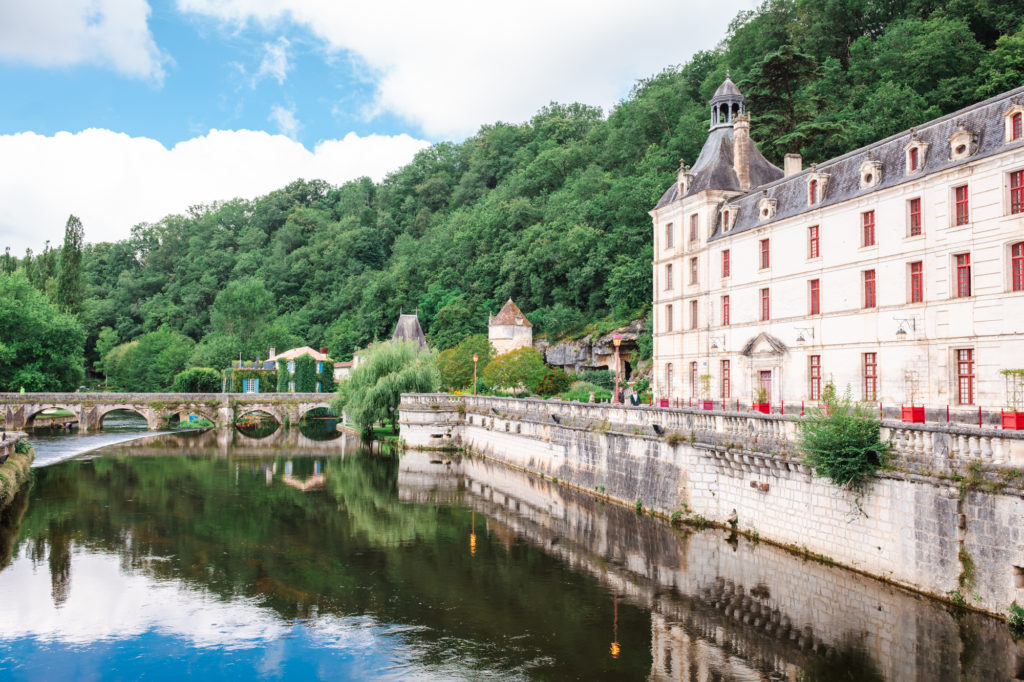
column 897, row 268
column 509, row 329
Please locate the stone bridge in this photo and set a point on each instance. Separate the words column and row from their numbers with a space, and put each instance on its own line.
column 20, row 409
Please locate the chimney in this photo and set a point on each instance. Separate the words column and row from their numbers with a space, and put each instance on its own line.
column 323, row 350
column 273, row 353
column 741, row 150
column 792, row 165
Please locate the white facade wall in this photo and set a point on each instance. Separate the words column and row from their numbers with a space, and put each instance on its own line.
column 509, row 337
column 990, row 322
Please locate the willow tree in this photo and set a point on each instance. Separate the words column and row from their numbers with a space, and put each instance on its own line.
column 386, row 370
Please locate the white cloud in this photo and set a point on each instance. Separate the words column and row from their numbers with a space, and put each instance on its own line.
column 113, row 181
column 57, row 33
column 451, row 65
column 285, row 119
column 275, row 62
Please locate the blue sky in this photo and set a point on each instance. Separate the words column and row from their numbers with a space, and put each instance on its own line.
column 124, row 111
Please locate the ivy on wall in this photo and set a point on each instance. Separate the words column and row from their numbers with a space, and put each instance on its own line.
column 267, row 377
column 283, row 376
column 305, row 374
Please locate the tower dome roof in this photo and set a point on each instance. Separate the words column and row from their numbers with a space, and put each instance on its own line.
column 728, row 92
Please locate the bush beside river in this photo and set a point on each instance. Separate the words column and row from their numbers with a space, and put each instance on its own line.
column 15, row 471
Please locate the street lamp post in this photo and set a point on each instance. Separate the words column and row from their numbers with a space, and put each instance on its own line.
column 617, row 340
column 475, row 358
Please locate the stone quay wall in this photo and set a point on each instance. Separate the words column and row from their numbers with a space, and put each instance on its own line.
column 943, row 521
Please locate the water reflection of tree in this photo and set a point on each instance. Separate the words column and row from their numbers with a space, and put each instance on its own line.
column 10, row 522
column 256, row 425
column 319, row 424
column 352, row 548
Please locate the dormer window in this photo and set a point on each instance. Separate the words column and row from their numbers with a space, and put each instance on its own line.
column 1015, row 123
column 728, row 217
column 916, row 151
column 683, row 177
column 870, row 173
column 961, row 144
column 817, row 185
column 766, row 208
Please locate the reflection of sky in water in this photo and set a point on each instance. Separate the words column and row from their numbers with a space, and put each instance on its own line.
column 129, row 625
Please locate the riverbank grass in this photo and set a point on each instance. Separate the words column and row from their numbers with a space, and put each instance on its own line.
column 384, row 434
column 15, row 471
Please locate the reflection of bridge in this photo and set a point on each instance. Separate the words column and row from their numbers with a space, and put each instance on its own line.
column 158, row 409
column 233, row 442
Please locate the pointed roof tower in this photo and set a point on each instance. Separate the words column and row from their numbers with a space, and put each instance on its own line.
column 721, row 166
column 408, row 329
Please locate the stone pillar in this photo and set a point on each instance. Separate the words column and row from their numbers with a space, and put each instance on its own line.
column 225, row 416
column 88, row 419
column 14, row 417
column 741, row 150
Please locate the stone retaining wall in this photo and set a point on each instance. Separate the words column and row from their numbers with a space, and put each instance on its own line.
column 915, row 526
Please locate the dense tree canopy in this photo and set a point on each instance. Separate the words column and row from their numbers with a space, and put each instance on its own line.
column 41, row 348
column 552, row 211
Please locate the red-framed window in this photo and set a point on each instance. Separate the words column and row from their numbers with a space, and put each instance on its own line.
column 1017, row 267
column 812, row 197
column 725, row 379
column 693, row 227
column 725, row 262
column 725, row 221
column 870, row 376
column 1017, row 191
column 965, row 376
column 725, row 311
column 693, row 314
column 668, row 317
column 960, row 202
column 766, row 260
column 914, row 158
column 693, row 271
column 813, row 243
column 915, row 216
column 869, row 288
column 1016, row 126
column 765, row 305
column 693, row 379
column 668, row 235
column 868, row 228
column 814, row 374
column 668, row 380
column 815, row 297
column 916, row 282
column 963, row 275
column 668, row 276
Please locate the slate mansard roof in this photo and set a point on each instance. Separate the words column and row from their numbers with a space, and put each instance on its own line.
column 985, row 120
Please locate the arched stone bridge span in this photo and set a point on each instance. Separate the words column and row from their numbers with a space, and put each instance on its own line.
column 19, row 409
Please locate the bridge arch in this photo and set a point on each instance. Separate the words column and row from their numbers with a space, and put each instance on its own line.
column 33, row 411
column 152, row 420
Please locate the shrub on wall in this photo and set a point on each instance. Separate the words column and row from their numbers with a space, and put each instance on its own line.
column 283, row 376
column 841, row 440
column 305, row 374
column 197, row 380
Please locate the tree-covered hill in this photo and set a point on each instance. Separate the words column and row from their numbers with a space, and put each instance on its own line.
column 553, row 211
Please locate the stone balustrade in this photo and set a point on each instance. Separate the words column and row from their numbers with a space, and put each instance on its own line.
column 935, row 448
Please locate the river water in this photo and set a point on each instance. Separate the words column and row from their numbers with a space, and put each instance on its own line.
column 215, row 553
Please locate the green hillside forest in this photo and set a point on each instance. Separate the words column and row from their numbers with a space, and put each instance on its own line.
column 552, row 211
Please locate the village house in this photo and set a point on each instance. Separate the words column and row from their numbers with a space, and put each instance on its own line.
column 896, row 269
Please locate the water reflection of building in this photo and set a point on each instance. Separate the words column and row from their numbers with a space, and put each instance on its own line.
column 722, row 608
column 313, row 482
